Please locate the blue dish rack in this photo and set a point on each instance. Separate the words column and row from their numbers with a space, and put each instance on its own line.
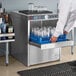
column 44, row 40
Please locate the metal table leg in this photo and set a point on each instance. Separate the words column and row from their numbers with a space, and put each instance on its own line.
column 59, row 53
column 72, row 48
column 72, row 36
column 7, row 53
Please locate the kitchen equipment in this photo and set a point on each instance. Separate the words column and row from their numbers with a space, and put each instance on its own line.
column 28, row 52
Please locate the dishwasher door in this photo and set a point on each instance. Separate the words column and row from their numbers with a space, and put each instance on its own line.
column 37, row 56
column 53, row 45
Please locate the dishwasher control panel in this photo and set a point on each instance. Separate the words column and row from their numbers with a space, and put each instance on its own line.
column 43, row 16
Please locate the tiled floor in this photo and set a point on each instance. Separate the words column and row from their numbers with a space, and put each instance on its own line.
column 14, row 65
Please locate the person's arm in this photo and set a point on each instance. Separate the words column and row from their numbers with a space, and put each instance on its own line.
column 64, row 9
column 71, row 22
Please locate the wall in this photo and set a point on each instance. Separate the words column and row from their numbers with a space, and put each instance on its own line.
column 11, row 5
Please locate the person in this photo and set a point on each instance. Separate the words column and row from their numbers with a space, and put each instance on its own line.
column 66, row 18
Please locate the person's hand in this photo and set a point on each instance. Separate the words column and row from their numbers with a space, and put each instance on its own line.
column 65, row 32
column 53, row 39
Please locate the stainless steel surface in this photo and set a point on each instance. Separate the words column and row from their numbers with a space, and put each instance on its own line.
column 4, row 41
column 53, row 45
column 72, row 37
column 37, row 56
column 75, row 36
column 20, row 48
column 8, row 34
column 30, row 53
column 7, row 53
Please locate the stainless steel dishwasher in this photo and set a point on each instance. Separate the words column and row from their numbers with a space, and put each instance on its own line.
column 28, row 52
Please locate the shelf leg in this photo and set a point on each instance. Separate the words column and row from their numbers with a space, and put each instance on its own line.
column 7, row 53
column 72, row 47
column 59, row 54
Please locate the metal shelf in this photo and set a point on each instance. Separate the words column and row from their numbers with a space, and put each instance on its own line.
column 9, row 40
column 7, row 34
column 7, row 44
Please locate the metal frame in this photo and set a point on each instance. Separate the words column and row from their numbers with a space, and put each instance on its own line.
column 72, row 37
column 7, row 45
column 7, row 53
column 53, row 45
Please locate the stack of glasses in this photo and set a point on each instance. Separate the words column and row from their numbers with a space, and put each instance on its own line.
column 42, row 35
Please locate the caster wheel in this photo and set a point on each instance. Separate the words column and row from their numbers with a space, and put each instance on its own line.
column 72, row 53
column 6, row 64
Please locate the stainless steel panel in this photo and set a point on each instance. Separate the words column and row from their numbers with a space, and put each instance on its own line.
column 36, row 55
column 19, row 49
column 75, row 36
column 53, row 45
